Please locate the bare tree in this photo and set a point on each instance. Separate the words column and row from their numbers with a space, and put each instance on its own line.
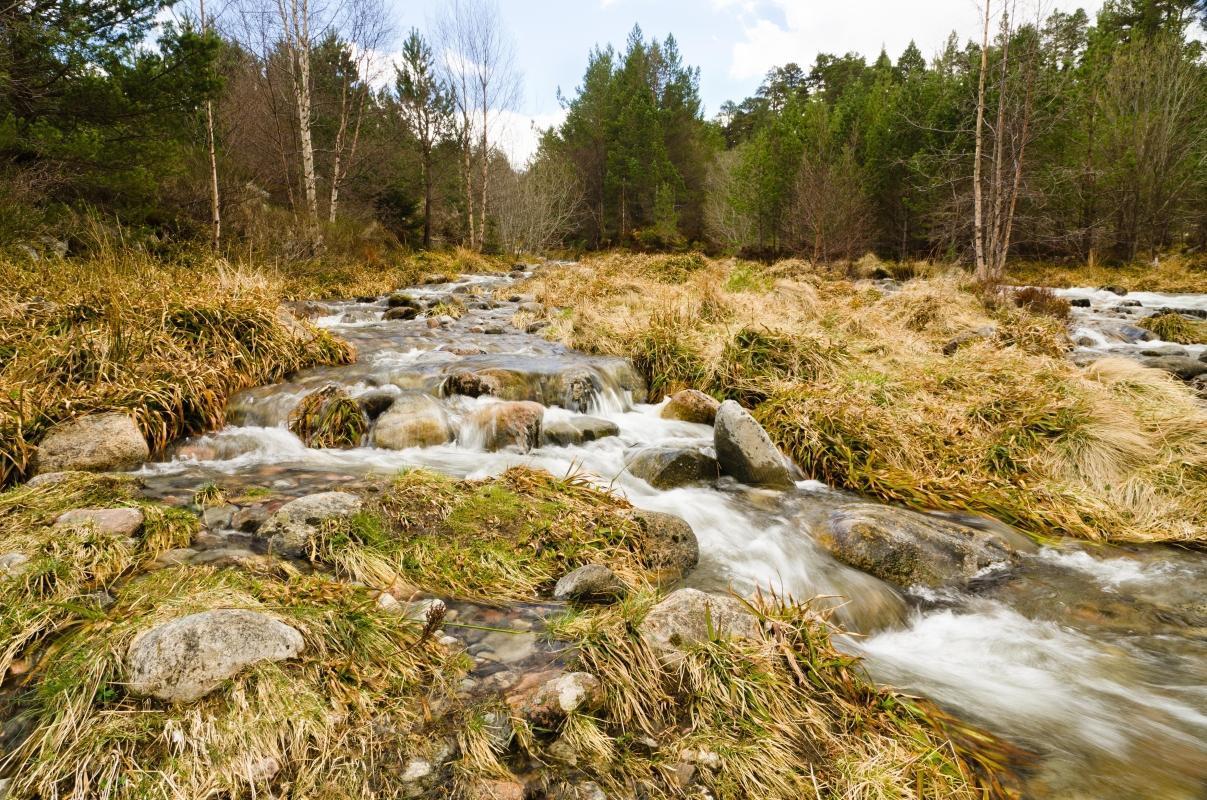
column 215, row 209
column 365, row 29
column 995, row 200
column 480, row 64
column 536, row 207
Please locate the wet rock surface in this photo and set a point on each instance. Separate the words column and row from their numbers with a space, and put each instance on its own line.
column 691, row 405
column 745, row 451
column 668, row 467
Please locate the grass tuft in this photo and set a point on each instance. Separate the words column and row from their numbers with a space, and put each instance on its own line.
column 329, row 418
column 1170, row 326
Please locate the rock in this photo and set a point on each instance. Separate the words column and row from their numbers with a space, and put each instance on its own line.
column 911, row 549
column 49, row 479
column 691, row 405
column 532, row 307
column 536, row 326
column 95, row 443
column 473, row 384
column 189, row 657
column 174, row 557
column 218, row 516
column 1079, row 302
column 1164, row 350
column 668, row 467
column 249, row 519
column 1183, row 367
column 1129, row 304
column 1113, row 289
column 745, row 451
column 589, row 582
column 1085, row 341
column 1132, row 333
column 415, row 420
column 221, row 557
column 402, row 312
column 670, row 542
column 587, row 790
column 512, row 424
column 493, row 789
column 374, row 404
column 565, row 694
column 109, row 521
column 291, row 528
column 967, row 337
column 13, row 564
column 1199, row 386
column 687, row 616
column 577, row 430
column 400, row 300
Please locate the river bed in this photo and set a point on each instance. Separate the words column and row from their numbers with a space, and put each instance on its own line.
column 1092, row 657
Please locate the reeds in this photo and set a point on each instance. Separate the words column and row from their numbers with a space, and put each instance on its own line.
column 1170, row 326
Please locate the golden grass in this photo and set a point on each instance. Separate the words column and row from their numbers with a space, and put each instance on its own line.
column 505, row 539
column 340, row 279
column 1173, row 327
column 782, row 716
column 123, row 331
column 329, row 418
column 853, row 384
column 1171, row 274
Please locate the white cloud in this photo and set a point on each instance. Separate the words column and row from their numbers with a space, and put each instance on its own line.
column 775, row 32
column 519, row 134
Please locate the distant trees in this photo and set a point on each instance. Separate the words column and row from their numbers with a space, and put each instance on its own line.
column 426, row 105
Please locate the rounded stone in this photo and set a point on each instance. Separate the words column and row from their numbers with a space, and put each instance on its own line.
column 691, row 405
column 291, row 528
column 95, row 443
column 189, row 657
column 746, row 452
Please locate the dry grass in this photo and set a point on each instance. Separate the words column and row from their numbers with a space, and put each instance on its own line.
column 344, row 278
column 1173, row 327
column 784, row 716
column 852, row 382
column 505, row 539
column 123, row 331
column 1172, row 274
column 329, row 418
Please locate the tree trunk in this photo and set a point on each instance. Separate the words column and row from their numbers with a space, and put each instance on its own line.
column 485, row 176
column 427, row 197
column 215, row 209
column 978, row 220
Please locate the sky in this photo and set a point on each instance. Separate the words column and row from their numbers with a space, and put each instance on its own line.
column 734, row 42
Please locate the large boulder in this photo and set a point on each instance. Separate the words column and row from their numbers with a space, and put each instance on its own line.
column 294, row 524
column 95, row 443
column 415, row 420
column 189, row 657
column 577, row 430
column 691, row 405
column 911, row 549
column 109, row 521
column 1184, row 367
column 670, row 543
column 746, row 452
column 668, row 467
column 503, row 425
column 590, row 582
column 688, row 616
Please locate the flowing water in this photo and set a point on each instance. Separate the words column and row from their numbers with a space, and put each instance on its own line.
column 1092, row 658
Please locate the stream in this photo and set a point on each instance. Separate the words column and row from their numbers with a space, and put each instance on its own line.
column 1092, row 657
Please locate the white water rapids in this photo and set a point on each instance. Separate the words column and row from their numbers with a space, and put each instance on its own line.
column 1093, row 658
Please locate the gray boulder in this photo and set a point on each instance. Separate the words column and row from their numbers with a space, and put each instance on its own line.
column 691, row 405
column 668, row 467
column 671, row 543
column 416, row 420
column 746, row 452
column 503, row 425
column 294, row 524
column 110, row 521
column 911, row 549
column 95, row 443
column 12, row 564
column 1183, row 367
column 589, row 582
column 189, row 657
column 688, row 616
column 577, row 430
column 1164, row 350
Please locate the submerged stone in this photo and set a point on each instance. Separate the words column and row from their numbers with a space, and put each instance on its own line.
column 503, row 425
column 911, row 549
column 416, row 420
column 669, row 467
column 577, row 430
